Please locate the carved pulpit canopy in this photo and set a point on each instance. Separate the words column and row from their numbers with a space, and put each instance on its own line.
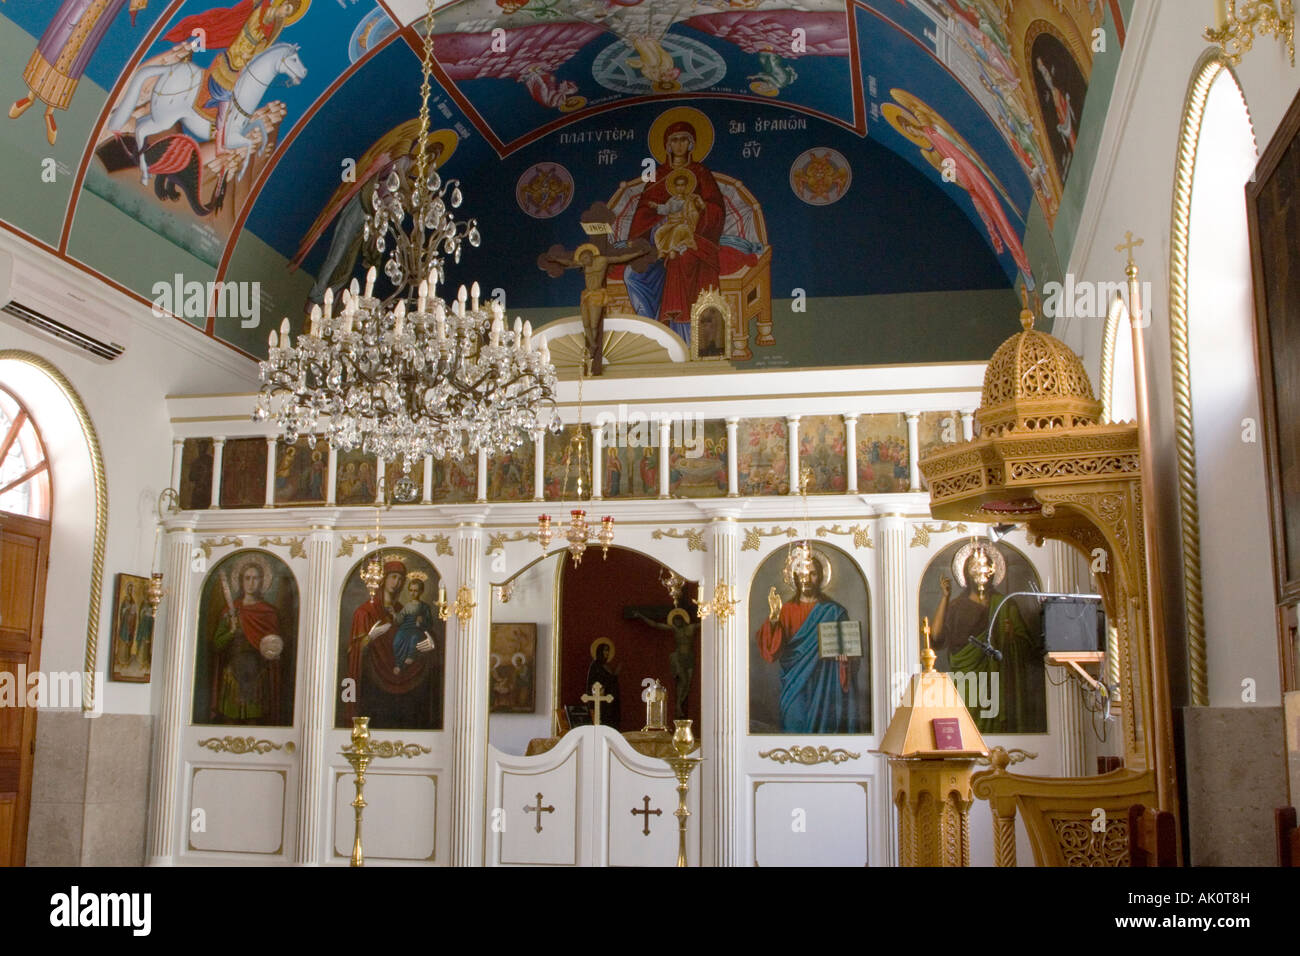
column 1035, row 382
column 1039, row 425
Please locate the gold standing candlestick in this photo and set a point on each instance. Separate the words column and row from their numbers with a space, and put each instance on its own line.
column 359, row 756
column 683, row 743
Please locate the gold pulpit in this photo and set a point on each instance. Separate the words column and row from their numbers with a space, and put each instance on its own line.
column 932, row 783
column 1043, row 458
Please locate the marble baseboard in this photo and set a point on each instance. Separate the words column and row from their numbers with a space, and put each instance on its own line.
column 90, row 790
column 1236, row 777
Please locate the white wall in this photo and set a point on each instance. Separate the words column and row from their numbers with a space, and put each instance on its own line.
column 125, row 399
column 531, row 601
column 1132, row 189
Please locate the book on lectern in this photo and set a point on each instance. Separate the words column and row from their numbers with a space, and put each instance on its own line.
column 839, row 637
column 947, row 733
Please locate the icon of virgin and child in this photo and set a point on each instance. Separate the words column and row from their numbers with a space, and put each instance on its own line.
column 395, row 649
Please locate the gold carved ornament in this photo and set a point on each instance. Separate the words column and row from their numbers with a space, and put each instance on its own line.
column 694, row 537
column 921, row 532
column 808, row 756
column 861, row 534
column 297, row 545
column 208, row 544
column 441, row 543
column 244, row 745
column 753, row 536
column 348, row 542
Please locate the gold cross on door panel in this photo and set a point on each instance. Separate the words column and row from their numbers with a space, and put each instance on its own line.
column 539, row 810
column 646, row 812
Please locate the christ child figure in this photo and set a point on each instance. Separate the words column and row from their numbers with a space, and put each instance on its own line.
column 683, row 214
column 414, row 622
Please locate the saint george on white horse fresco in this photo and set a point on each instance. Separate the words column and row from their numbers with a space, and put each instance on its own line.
column 172, row 99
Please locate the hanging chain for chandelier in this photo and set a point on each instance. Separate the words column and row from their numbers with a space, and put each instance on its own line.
column 579, row 531
column 408, row 376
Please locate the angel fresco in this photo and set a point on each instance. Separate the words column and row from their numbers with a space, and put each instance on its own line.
column 244, row 669
column 353, row 202
column 766, row 34
column 945, row 149
column 532, row 56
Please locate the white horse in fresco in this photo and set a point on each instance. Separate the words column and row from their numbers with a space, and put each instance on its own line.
column 173, row 95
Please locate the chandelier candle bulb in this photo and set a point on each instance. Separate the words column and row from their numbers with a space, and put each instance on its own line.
column 424, row 295
column 473, row 293
column 329, row 304
column 314, row 328
column 528, row 336
column 284, row 331
column 371, row 273
column 270, row 339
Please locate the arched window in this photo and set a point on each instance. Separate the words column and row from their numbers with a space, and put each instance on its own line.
column 24, row 468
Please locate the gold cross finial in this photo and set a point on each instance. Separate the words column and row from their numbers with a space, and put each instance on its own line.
column 928, row 656
column 1128, row 245
column 597, row 697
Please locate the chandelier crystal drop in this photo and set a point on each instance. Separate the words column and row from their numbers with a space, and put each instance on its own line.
column 410, row 376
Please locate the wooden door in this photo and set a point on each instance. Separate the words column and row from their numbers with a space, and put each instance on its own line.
column 24, row 558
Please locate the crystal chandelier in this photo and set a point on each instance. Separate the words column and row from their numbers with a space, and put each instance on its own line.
column 409, row 376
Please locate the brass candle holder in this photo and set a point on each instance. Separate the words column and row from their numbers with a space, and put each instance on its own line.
column 683, row 743
column 359, row 756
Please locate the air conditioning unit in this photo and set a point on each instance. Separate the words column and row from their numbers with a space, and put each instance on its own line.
column 67, row 306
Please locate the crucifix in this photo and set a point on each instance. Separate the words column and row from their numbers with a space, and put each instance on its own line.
column 646, row 813
column 597, row 697
column 539, row 810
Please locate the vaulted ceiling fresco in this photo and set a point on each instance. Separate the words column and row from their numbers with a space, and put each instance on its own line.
column 878, row 179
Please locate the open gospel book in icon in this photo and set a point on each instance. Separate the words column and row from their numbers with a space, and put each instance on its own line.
column 836, row 638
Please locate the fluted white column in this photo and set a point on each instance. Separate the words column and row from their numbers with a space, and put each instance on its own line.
column 426, row 491
column 729, row 696
column 315, row 640
column 913, row 453
column 381, row 480
column 967, row 425
column 1063, row 700
column 178, row 453
column 851, row 447
column 733, row 482
column 332, row 477
column 218, row 449
column 665, row 449
column 270, row 474
column 469, row 733
column 597, row 462
column 176, row 612
column 792, row 452
column 539, row 470
column 902, row 658
column 481, row 492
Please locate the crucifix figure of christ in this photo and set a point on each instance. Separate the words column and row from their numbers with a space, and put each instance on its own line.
column 682, row 659
column 596, row 698
column 594, row 258
column 539, row 810
column 646, row 812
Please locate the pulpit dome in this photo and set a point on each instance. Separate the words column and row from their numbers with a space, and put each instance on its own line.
column 1035, row 382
